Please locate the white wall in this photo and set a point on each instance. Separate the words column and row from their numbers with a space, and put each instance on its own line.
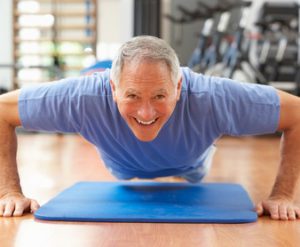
column 6, row 49
column 115, row 26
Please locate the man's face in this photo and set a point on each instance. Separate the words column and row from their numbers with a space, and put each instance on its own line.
column 146, row 97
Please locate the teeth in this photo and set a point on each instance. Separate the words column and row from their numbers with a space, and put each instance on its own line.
column 145, row 123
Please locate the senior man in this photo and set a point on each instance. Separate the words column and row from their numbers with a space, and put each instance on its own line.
column 150, row 118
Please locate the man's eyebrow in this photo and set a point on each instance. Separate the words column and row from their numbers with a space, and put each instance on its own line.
column 161, row 91
column 131, row 91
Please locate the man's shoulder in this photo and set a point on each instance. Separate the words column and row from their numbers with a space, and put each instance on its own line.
column 193, row 82
column 97, row 83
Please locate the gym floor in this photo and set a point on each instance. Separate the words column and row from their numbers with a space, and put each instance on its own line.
column 50, row 163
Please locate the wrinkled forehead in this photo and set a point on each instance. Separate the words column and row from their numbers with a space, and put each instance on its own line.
column 146, row 71
column 146, row 78
column 140, row 61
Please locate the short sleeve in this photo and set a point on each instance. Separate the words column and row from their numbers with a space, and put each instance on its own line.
column 244, row 108
column 56, row 106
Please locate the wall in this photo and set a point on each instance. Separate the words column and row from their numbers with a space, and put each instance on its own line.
column 115, row 26
column 182, row 37
column 6, row 49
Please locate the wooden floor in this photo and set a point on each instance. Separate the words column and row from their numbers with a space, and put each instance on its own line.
column 50, row 163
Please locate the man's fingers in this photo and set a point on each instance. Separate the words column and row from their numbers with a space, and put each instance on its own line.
column 9, row 208
column 283, row 214
column 20, row 206
column 274, row 212
column 24, row 206
column 291, row 213
column 278, row 209
column 297, row 212
column 34, row 206
column 17, row 207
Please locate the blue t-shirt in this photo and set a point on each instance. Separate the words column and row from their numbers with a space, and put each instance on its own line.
column 208, row 108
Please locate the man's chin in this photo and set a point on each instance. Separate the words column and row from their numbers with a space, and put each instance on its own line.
column 145, row 138
column 145, row 135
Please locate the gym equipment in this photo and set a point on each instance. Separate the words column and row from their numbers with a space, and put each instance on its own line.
column 278, row 48
column 184, row 17
column 213, row 36
column 212, row 53
column 235, row 63
column 274, row 50
column 236, row 59
column 214, row 30
column 150, row 202
column 220, row 50
column 198, row 53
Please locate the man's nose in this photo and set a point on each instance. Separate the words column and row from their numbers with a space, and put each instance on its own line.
column 146, row 111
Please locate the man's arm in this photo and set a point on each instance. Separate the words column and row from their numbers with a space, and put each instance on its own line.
column 280, row 203
column 12, row 201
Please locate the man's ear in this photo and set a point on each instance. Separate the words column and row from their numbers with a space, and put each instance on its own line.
column 113, row 89
column 178, row 88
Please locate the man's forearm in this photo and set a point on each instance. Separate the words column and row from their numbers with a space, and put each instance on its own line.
column 289, row 169
column 9, row 178
column 12, row 200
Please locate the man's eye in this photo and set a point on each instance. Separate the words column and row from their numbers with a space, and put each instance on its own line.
column 131, row 96
column 160, row 96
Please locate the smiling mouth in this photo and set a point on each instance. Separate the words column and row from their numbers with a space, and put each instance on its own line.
column 144, row 123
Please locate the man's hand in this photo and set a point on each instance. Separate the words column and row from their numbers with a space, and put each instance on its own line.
column 280, row 205
column 278, row 209
column 15, row 204
column 12, row 201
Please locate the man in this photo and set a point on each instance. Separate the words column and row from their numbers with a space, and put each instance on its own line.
column 149, row 118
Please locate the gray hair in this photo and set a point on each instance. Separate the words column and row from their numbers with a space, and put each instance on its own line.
column 145, row 48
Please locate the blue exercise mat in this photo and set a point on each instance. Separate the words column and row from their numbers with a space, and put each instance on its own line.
column 150, row 202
